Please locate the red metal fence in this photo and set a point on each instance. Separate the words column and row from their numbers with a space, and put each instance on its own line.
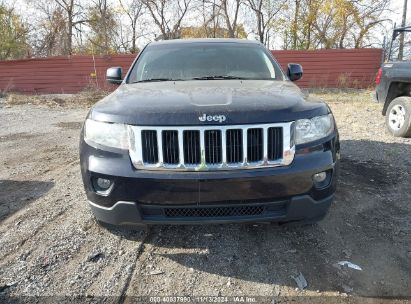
column 322, row 68
column 334, row 68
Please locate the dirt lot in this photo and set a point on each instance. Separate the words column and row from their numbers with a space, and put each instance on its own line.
column 50, row 244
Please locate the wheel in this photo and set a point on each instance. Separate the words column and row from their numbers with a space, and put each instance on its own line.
column 398, row 117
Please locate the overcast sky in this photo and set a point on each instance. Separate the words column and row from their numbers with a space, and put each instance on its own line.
column 396, row 7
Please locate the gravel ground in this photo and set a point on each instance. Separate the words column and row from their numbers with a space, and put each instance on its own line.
column 50, row 244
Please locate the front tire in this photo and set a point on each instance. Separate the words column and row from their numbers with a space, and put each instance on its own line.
column 398, row 117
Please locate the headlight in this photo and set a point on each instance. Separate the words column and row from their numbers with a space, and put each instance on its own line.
column 106, row 134
column 312, row 129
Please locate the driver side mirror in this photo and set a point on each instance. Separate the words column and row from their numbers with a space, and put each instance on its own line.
column 113, row 75
column 295, row 71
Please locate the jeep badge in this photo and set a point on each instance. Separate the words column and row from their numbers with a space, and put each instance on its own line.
column 218, row 118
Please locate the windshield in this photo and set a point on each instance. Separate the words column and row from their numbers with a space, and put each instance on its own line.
column 204, row 61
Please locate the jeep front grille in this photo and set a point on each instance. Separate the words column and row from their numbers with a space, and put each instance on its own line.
column 212, row 147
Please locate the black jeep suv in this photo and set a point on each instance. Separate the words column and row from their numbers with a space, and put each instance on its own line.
column 208, row 131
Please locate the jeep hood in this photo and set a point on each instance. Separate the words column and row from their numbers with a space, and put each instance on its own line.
column 183, row 102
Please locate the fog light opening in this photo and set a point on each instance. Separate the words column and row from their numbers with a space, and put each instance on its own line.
column 102, row 185
column 319, row 177
column 322, row 180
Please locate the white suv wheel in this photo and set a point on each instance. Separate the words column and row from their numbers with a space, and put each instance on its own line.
column 398, row 117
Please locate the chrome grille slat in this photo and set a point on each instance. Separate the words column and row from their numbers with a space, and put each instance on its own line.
column 244, row 142
column 265, row 144
column 224, row 146
column 160, row 146
column 180, row 147
column 212, row 147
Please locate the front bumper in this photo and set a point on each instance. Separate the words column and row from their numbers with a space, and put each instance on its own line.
column 166, row 197
column 130, row 213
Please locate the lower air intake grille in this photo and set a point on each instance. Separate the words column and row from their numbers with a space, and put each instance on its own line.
column 214, row 212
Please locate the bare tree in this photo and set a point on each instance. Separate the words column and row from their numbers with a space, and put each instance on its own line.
column 50, row 35
column 323, row 28
column 265, row 11
column 74, row 16
column 53, row 12
column 303, row 24
column 168, row 15
column 134, row 11
column 369, row 16
column 210, row 12
column 230, row 11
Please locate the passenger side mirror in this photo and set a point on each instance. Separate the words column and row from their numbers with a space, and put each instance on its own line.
column 113, row 75
column 295, row 71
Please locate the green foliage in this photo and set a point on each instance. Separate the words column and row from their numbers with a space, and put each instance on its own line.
column 313, row 24
column 13, row 35
column 54, row 41
column 102, row 23
column 209, row 32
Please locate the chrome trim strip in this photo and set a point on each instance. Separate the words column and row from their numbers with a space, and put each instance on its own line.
column 112, row 207
column 224, row 147
column 137, row 158
column 245, row 150
column 180, row 139
column 265, row 145
column 160, row 147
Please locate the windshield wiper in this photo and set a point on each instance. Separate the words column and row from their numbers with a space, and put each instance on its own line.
column 218, row 77
column 156, row 79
